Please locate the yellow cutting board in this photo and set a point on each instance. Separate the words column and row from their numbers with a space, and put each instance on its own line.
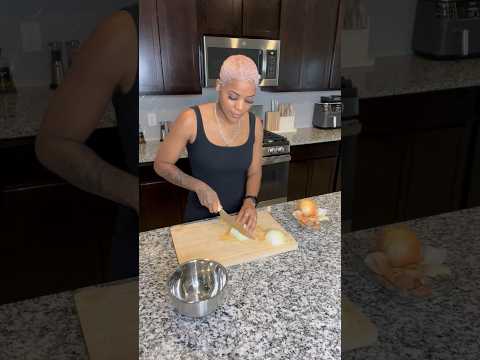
column 357, row 329
column 109, row 319
column 206, row 240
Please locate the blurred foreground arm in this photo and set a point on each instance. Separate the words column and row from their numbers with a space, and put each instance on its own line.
column 107, row 62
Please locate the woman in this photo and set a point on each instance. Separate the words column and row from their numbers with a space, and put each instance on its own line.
column 224, row 144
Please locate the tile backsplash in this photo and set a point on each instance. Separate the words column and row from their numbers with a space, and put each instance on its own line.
column 168, row 107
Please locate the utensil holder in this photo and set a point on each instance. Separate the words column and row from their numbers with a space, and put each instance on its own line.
column 287, row 124
column 272, row 119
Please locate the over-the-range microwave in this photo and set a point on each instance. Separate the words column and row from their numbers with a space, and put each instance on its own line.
column 264, row 52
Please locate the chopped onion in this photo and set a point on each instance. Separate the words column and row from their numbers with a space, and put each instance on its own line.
column 238, row 235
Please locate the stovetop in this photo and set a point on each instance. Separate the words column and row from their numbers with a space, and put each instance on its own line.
column 274, row 144
column 272, row 139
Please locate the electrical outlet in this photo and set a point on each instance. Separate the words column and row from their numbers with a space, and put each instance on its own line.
column 152, row 119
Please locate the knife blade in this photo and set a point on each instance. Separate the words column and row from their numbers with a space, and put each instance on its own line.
column 230, row 220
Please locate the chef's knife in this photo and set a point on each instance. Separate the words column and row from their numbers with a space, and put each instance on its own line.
column 230, row 220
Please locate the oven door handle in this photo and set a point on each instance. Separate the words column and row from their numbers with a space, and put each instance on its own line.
column 276, row 159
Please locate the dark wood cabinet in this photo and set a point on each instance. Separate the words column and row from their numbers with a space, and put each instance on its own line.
column 150, row 68
column 435, row 172
column 240, row 18
column 170, row 35
column 220, row 17
column 413, row 156
column 161, row 203
column 169, row 47
column 378, row 175
column 56, row 237
column 261, row 18
column 308, row 32
column 322, row 176
column 313, row 170
column 335, row 72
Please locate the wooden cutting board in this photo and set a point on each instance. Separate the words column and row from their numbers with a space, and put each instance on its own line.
column 109, row 319
column 206, row 240
column 357, row 329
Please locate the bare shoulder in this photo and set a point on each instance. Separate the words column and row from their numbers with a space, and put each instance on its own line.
column 258, row 129
column 185, row 125
column 119, row 28
column 115, row 37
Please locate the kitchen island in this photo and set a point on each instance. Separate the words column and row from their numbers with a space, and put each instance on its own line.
column 281, row 307
column 444, row 326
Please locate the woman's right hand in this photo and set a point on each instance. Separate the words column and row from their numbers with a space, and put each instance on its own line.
column 208, row 198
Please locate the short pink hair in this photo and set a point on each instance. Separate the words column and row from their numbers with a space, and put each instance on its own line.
column 239, row 67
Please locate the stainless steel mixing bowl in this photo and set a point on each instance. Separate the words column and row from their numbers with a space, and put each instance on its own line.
column 198, row 287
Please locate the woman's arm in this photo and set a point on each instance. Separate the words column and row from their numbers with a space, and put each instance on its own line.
column 107, row 61
column 183, row 131
column 247, row 214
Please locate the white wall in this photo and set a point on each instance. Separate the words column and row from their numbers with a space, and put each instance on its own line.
column 391, row 26
column 58, row 20
column 167, row 108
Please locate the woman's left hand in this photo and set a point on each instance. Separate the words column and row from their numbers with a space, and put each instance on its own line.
column 247, row 216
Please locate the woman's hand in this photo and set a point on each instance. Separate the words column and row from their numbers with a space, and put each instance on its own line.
column 247, row 216
column 208, row 197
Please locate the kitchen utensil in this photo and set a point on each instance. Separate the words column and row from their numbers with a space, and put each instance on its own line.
column 57, row 72
column 6, row 82
column 204, row 240
column 230, row 220
column 198, row 287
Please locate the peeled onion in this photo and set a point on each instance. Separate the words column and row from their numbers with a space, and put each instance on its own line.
column 308, row 207
column 400, row 245
column 275, row 237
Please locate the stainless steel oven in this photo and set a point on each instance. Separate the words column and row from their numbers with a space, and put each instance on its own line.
column 264, row 52
column 275, row 168
column 274, row 187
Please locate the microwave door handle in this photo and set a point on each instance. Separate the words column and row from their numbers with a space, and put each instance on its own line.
column 263, row 59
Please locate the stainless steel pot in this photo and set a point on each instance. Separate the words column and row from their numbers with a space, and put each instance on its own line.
column 198, row 287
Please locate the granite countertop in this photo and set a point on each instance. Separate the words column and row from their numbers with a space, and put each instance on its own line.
column 408, row 74
column 305, row 136
column 302, row 136
column 46, row 327
column 21, row 114
column 444, row 326
column 281, row 307
column 148, row 151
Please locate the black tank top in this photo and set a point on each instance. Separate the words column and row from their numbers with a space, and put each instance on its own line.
column 124, row 247
column 223, row 168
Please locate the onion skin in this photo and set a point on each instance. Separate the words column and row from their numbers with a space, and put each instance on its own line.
column 308, row 207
